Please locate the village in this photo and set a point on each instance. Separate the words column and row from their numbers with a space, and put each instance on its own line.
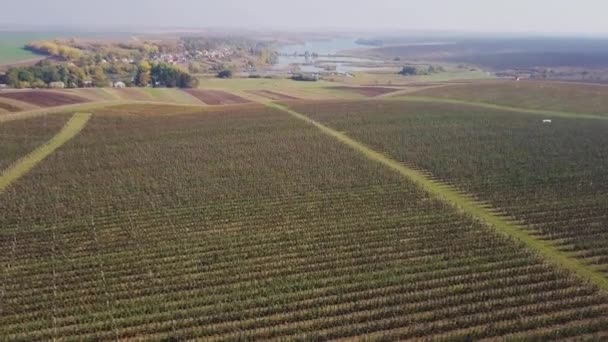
column 185, row 57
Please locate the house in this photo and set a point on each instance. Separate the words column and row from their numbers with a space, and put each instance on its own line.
column 57, row 85
column 120, row 85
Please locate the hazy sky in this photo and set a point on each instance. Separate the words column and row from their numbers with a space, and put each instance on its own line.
column 549, row 16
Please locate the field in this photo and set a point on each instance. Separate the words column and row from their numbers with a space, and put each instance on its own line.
column 272, row 95
column 43, row 98
column 302, row 90
column 566, row 97
column 9, row 107
column 392, row 78
column 368, row 91
column 11, row 48
column 216, row 97
column 18, row 138
column 550, row 177
column 169, row 219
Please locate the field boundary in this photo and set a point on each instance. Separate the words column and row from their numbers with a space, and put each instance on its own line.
column 464, row 204
column 27, row 163
column 87, row 107
column 487, row 105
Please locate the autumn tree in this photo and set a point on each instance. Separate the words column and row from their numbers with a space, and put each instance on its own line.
column 144, row 75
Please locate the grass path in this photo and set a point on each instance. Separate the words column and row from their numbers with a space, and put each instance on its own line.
column 552, row 113
column 464, row 204
column 27, row 163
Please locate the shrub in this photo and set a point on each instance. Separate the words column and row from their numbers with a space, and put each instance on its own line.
column 305, row 78
column 226, row 73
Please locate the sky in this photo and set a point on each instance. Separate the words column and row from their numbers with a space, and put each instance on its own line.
column 540, row 16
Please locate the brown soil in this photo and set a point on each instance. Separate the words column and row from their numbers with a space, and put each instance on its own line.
column 9, row 107
column 43, row 98
column 216, row 97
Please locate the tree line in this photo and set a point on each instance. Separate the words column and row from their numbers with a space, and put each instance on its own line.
column 412, row 70
column 45, row 73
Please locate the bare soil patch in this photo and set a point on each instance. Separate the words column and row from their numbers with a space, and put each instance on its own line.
column 44, row 98
column 216, row 97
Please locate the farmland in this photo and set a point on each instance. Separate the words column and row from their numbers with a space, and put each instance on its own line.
column 367, row 91
column 549, row 177
column 566, row 97
column 11, row 48
column 12, row 44
column 179, row 215
column 208, row 171
column 216, row 97
column 243, row 222
column 272, row 95
column 43, row 98
column 18, row 138
column 8, row 107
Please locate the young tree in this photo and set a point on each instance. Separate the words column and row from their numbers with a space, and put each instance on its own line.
column 98, row 76
column 144, row 74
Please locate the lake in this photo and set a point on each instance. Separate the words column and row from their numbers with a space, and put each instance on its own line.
column 322, row 47
column 332, row 57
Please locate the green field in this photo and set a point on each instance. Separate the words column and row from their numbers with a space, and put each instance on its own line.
column 551, row 177
column 12, row 42
column 350, row 218
column 13, row 53
column 11, row 46
column 547, row 96
column 18, row 138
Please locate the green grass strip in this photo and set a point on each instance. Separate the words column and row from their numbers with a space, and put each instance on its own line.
column 464, row 204
column 542, row 112
column 27, row 163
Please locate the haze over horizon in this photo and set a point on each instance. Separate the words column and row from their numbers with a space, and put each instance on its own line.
column 518, row 16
